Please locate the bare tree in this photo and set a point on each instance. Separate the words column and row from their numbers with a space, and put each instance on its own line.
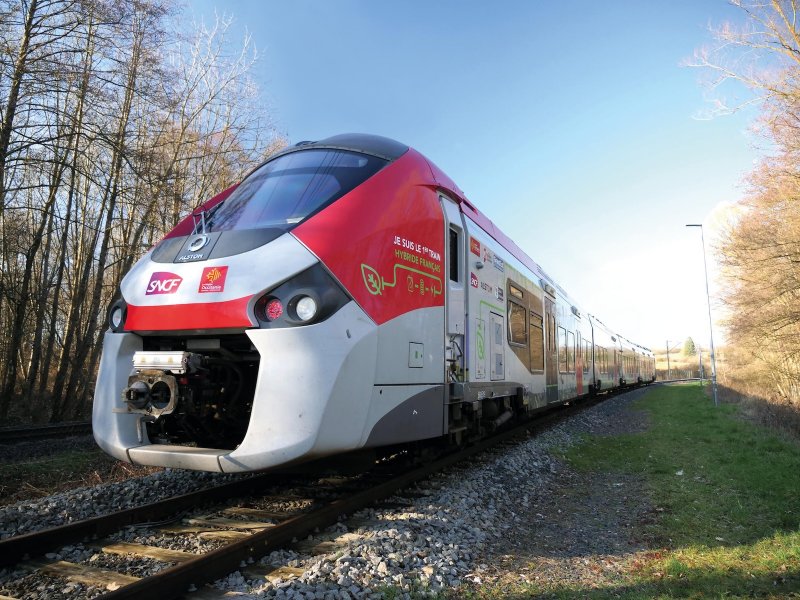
column 111, row 131
column 761, row 252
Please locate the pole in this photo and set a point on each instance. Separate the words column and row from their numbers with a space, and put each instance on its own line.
column 669, row 371
column 700, row 366
column 710, row 323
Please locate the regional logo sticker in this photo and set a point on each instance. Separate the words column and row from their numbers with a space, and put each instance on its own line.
column 213, row 279
column 474, row 246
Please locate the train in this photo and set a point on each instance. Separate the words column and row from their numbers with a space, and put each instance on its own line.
column 345, row 295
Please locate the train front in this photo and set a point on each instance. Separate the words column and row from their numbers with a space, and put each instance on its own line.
column 235, row 345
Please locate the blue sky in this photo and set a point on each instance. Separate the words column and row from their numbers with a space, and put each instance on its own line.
column 572, row 125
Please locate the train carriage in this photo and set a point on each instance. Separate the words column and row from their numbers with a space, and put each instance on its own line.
column 344, row 295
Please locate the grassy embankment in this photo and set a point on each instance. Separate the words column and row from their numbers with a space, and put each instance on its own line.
column 725, row 504
column 40, row 476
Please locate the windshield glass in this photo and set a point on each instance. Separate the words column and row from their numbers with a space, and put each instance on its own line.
column 286, row 190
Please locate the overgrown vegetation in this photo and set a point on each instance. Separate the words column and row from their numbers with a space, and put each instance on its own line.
column 724, row 519
column 682, row 360
column 44, row 475
column 760, row 253
column 116, row 119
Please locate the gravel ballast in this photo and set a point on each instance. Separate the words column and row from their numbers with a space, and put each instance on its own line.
column 467, row 526
column 86, row 502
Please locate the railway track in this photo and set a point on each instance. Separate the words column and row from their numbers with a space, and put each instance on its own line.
column 243, row 532
column 13, row 435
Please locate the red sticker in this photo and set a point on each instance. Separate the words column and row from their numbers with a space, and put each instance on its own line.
column 473, row 280
column 162, row 282
column 213, row 279
column 474, row 246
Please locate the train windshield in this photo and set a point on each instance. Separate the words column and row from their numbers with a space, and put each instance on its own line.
column 286, row 190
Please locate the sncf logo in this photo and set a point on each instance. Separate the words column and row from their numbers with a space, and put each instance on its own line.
column 162, row 282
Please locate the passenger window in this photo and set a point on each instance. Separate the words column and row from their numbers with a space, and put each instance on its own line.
column 562, row 351
column 537, row 343
column 570, row 352
column 517, row 327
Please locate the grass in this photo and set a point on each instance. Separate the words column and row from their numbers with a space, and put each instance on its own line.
column 709, row 475
column 725, row 505
column 42, row 476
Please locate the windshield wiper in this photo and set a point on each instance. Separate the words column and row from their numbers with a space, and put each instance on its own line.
column 205, row 217
column 202, row 216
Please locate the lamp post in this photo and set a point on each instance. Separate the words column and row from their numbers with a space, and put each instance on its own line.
column 710, row 325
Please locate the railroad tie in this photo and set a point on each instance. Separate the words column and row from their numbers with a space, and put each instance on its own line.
column 85, row 574
column 163, row 554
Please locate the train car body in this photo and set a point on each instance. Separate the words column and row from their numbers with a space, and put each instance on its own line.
column 345, row 295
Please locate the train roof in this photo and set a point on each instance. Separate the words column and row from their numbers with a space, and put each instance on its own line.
column 375, row 145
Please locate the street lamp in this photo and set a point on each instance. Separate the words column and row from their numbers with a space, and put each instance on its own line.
column 710, row 325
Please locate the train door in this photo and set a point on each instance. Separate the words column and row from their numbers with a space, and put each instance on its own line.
column 497, row 369
column 579, row 361
column 551, row 352
column 455, row 324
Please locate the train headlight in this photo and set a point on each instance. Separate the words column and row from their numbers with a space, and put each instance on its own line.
column 268, row 309
column 116, row 316
column 309, row 297
column 306, row 308
column 274, row 309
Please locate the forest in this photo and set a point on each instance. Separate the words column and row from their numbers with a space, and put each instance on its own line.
column 118, row 117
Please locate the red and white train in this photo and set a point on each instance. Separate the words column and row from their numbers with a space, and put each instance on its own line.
column 344, row 295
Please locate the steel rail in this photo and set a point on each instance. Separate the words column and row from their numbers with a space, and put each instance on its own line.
column 174, row 582
column 36, row 543
column 12, row 435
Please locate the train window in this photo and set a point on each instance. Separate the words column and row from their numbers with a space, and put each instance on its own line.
column 570, row 352
column 587, row 356
column 284, row 191
column 535, row 304
column 515, row 291
column 604, row 360
column 562, row 351
column 455, row 256
column 517, row 327
column 537, row 343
